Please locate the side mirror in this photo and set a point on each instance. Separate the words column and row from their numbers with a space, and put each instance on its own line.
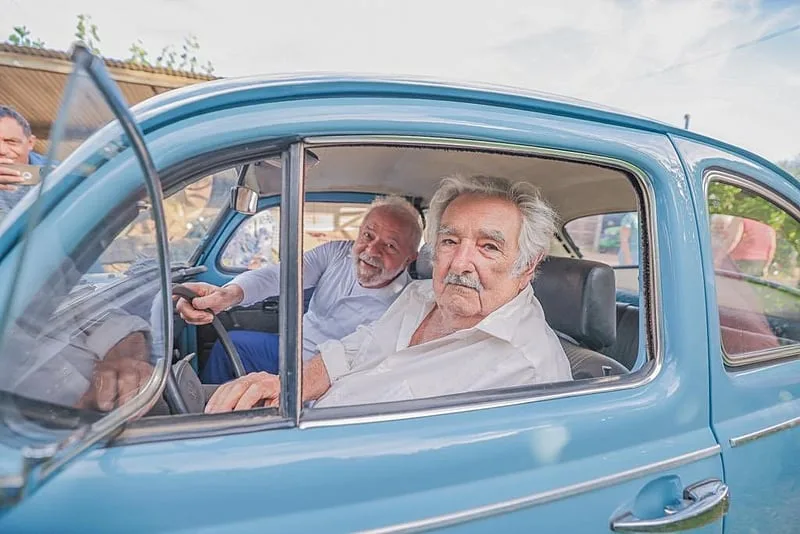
column 244, row 200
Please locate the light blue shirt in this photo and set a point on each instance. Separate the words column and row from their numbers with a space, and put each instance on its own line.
column 339, row 304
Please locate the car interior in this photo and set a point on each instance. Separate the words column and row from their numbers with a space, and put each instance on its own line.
column 579, row 296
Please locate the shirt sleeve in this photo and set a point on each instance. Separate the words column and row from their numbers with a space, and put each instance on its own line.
column 116, row 327
column 368, row 342
column 264, row 282
column 340, row 355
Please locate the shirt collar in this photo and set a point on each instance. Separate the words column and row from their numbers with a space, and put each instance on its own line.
column 34, row 158
column 395, row 287
column 501, row 323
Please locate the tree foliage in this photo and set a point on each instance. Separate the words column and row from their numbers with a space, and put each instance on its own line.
column 21, row 36
column 728, row 199
column 86, row 32
column 185, row 57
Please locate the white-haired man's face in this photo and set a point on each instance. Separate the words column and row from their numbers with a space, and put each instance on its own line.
column 476, row 247
column 384, row 247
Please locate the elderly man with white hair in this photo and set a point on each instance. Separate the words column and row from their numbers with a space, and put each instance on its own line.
column 477, row 325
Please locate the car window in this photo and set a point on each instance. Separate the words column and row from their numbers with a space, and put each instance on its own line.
column 613, row 239
column 256, row 241
column 756, row 245
column 189, row 213
column 69, row 343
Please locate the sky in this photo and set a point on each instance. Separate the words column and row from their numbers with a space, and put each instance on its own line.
column 733, row 65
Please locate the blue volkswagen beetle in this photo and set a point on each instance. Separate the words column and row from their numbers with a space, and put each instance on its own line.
column 673, row 281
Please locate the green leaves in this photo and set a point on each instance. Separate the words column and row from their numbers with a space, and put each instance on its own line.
column 729, row 199
column 187, row 58
column 86, row 32
column 21, row 36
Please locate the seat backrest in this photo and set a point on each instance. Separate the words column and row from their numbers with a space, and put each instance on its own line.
column 422, row 267
column 586, row 363
column 578, row 298
column 626, row 347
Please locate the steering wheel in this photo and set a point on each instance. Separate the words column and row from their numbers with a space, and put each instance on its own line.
column 182, row 381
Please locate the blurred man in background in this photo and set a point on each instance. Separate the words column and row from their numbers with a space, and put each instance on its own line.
column 16, row 148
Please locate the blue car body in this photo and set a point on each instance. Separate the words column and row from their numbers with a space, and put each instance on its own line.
column 560, row 462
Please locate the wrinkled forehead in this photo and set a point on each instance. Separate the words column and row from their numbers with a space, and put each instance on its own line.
column 481, row 216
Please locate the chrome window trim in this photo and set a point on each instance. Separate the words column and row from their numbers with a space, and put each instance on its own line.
column 544, row 497
column 764, row 432
column 196, row 426
column 651, row 290
column 778, row 354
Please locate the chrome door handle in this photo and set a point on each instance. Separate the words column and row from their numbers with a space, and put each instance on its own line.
column 703, row 503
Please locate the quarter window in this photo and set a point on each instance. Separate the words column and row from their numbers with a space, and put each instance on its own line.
column 755, row 245
column 613, row 239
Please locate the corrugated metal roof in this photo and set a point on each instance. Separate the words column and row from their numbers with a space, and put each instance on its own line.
column 32, row 81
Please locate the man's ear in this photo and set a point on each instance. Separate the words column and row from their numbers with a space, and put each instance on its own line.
column 31, row 141
column 527, row 275
column 411, row 258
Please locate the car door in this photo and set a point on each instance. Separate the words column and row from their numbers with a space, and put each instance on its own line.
column 82, row 350
column 619, row 453
column 633, row 453
column 754, row 330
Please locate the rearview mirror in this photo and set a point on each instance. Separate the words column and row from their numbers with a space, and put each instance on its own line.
column 244, row 200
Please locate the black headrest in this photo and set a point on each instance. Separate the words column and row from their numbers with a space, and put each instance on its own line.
column 422, row 267
column 579, row 299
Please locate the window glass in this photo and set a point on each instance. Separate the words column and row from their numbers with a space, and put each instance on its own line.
column 256, row 241
column 345, row 310
column 74, row 343
column 557, row 248
column 189, row 213
column 755, row 252
column 613, row 239
column 83, row 349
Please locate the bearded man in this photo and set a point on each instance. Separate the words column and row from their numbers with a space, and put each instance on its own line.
column 354, row 283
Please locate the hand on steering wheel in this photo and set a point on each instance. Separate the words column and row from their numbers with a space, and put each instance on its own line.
column 174, row 393
column 224, row 339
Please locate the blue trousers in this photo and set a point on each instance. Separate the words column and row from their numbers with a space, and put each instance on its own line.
column 258, row 350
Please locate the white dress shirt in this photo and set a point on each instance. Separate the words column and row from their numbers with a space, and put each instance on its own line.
column 339, row 303
column 512, row 346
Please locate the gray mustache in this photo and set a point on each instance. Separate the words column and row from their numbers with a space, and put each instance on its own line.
column 375, row 261
column 463, row 280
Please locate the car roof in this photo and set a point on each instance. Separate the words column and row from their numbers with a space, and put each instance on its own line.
column 206, row 96
column 328, row 84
